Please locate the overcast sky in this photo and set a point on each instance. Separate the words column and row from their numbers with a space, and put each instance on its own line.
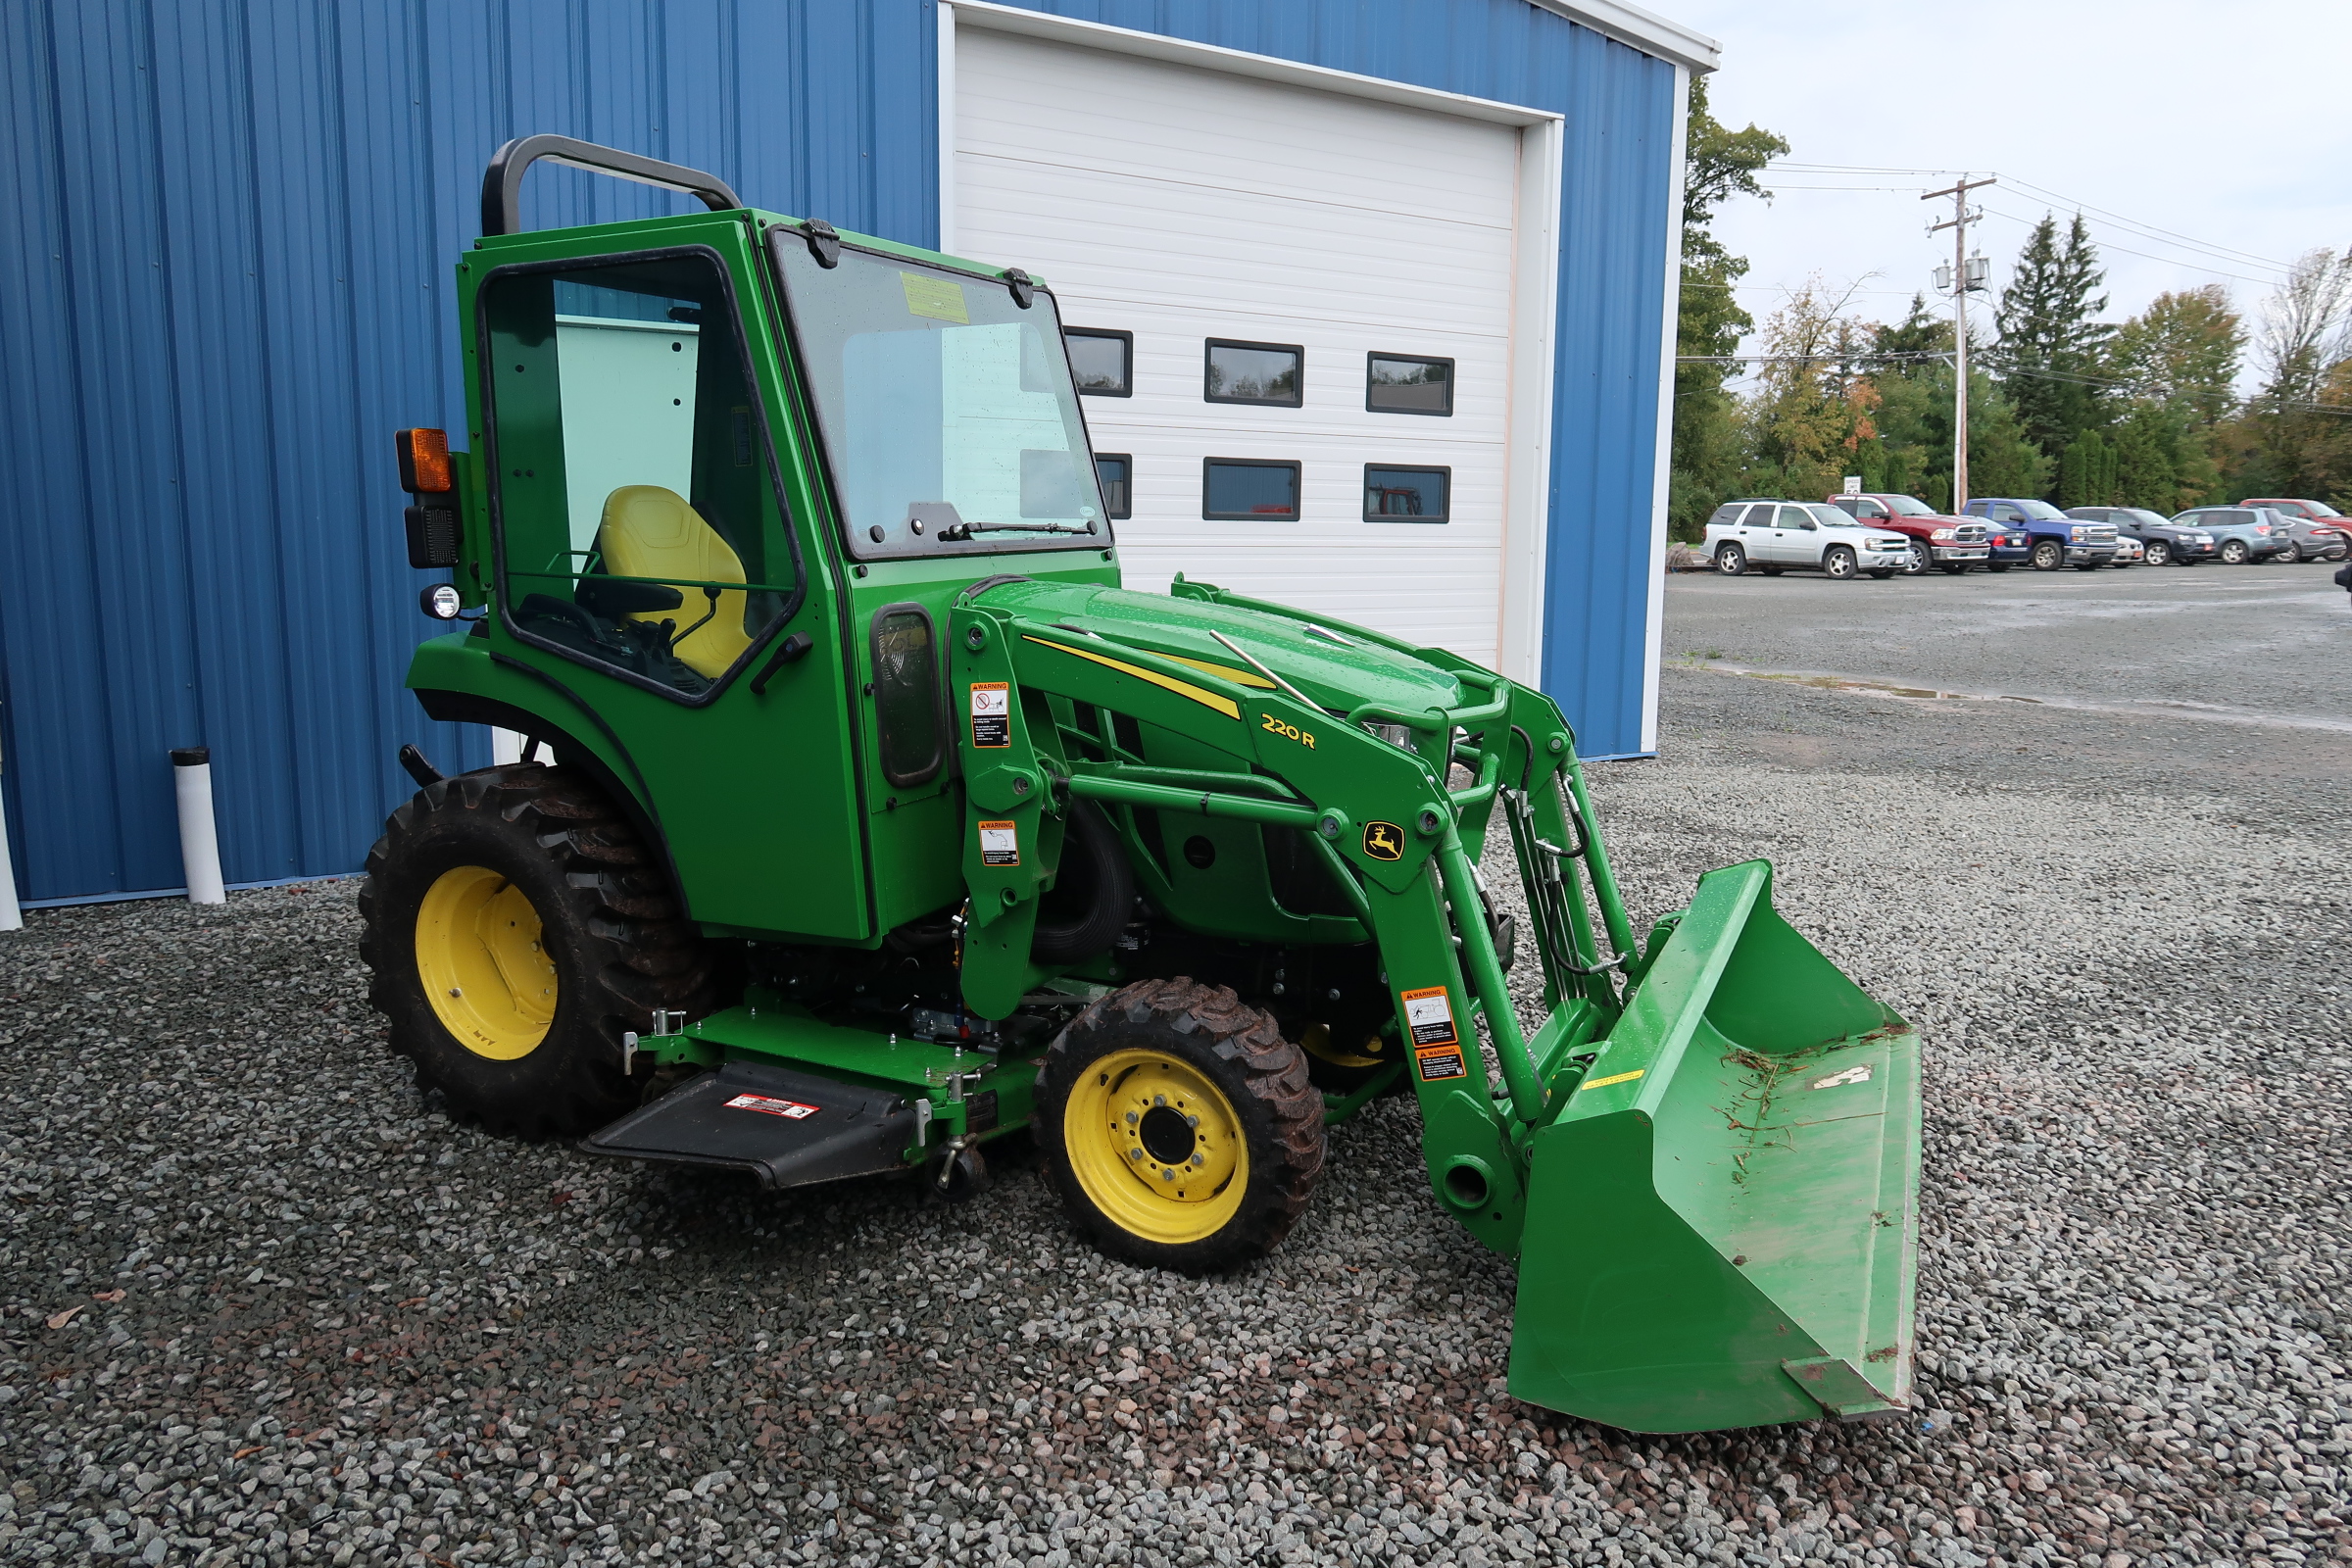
column 2217, row 138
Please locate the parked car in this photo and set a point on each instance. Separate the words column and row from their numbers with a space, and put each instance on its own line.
column 2127, row 549
column 2307, row 538
column 2159, row 538
column 1953, row 544
column 2242, row 535
column 2317, row 513
column 1777, row 536
column 2058, row 540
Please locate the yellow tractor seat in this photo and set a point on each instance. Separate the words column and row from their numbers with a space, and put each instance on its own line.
column 649, row 531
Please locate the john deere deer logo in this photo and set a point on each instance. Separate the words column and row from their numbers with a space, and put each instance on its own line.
column 1383, row 841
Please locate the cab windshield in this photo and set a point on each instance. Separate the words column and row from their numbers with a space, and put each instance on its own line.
column 2042, row 511
column 1907, row 506
column 945, row 407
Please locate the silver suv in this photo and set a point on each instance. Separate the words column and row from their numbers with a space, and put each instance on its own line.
column 1777, row 536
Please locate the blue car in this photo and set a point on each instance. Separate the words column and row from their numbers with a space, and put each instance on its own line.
column 2242, row 535
column 2056, row 539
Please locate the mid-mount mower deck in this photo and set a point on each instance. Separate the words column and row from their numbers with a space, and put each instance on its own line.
column 882, row 822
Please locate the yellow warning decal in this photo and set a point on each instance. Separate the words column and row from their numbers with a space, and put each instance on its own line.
column 939, row 298
column 1614, row 1078
column 1206, row 699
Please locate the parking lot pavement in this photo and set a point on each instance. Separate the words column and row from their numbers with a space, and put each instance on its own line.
column 264, row 1305
column 2257, row 641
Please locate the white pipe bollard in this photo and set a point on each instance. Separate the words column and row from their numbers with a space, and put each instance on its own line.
column 12, row 917
column 199, row 842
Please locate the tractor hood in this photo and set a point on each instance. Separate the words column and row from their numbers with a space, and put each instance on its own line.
column 1340, row 667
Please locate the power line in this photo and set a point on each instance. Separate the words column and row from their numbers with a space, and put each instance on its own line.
column 2167, row 261
column 2153, row 232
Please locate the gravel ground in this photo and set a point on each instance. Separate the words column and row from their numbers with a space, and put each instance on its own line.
column 264, row 1305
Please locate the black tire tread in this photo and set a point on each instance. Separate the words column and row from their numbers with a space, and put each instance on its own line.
column 1272, row 1072
column 618, row 903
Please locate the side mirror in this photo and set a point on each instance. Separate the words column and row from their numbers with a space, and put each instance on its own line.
column 603, row 596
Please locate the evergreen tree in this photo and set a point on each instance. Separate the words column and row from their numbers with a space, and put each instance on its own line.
column 2050, row 341
column 2086, row 471
column 1705, row 467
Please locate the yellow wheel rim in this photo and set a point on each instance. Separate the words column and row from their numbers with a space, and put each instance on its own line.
column 1156, row 1147
column 1316, row 1042
column 484, row 967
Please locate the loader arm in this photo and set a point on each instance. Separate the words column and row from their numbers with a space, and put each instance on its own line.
column 1705, row 1154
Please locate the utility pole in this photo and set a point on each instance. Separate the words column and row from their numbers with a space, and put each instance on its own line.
column 1967, row 273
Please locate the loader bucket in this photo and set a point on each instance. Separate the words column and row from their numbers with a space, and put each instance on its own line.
column 1722, row 1224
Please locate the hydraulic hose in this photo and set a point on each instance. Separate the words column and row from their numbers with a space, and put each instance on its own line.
column 1485, row 973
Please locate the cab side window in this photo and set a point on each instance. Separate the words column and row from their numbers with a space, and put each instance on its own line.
column 1796, row 517
column 637, row 525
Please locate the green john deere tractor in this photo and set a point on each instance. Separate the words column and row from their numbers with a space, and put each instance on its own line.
column 865, row 818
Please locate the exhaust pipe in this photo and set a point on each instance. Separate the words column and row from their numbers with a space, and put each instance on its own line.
column 199, row 842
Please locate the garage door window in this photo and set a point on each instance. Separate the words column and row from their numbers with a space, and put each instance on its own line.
column 1407, row 495
column 1254, row 372
column 1102, row 361
column 1405, row 384
column 1114, row 469
column 1248, row 488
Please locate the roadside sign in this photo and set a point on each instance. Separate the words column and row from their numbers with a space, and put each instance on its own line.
column 1853, row 485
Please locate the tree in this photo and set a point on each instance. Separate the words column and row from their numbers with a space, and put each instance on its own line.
column 2296, row 436
column 1721, row 164
column 2087, row 471
column 2184, row 349
column 2050, row 340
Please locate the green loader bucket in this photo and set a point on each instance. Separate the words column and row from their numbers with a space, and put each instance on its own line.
column 1721, row 1225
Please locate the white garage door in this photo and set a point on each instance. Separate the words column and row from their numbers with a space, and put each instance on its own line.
column 1183, row 205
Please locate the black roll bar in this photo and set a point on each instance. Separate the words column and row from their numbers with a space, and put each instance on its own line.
column 502, row 181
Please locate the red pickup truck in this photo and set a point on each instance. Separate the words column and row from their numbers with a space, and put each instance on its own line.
column 1954, row 544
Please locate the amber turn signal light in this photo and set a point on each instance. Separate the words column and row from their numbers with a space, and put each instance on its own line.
column 424, row 462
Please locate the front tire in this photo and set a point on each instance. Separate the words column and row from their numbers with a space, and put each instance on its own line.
column 1998, row 565
column 1880, row 576
column 2048, row 555
column 1180, row 1126
column 1955, row 568
column 2159, row 553
column 1922, row 558
column 1839, row 562
column 515, row 926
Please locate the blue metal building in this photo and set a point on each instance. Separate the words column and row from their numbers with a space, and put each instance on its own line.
column 234, row 222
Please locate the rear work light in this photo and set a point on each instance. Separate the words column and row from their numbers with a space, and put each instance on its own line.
column 424, row 461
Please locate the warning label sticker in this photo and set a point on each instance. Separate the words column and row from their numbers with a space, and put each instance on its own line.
column 992, row 713
column 1429, row 1017
column 1444, row 1062
column 769, row 1105
column 999, row 844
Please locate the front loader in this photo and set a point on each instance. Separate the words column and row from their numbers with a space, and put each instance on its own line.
column 864, row 819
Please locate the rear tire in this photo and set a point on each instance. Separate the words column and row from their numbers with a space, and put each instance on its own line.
column 1955, row 568
column 515, row 926
column 2235, row 552
column 1880, row 576
column 1167, row 1080
column 1998, row 565
column 2288, row 556
column 1731, row 561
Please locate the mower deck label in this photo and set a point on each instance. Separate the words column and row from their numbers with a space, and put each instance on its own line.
column 992, row 713
column 769, row 1105
column 999, row 844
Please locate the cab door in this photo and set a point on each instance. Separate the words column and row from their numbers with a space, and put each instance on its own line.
column 649, row 568
column 1795, row 538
